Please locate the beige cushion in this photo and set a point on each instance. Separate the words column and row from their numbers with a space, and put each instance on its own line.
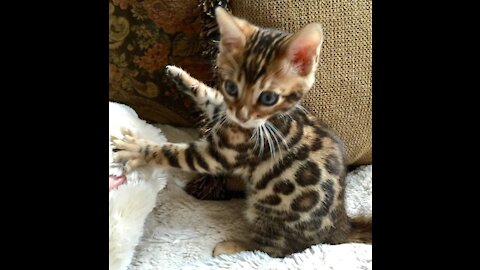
column 342, row 95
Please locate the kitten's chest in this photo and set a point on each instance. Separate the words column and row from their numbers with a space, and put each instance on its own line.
column 235, row 146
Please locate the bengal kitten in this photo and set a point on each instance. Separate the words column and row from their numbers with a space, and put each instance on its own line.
column 293, row 165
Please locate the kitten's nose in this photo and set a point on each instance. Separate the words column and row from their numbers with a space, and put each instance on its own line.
column 242, row 114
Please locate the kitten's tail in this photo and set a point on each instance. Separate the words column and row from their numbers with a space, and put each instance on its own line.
column 361, row 230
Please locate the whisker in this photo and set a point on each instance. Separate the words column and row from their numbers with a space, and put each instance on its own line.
column 262, row 141
column 279, row 134
column 222, row 124
column 218, row 125
column 253, row 134
column 215, row 118
column 284, row 117
column 255, row 137
column 289, row 115
column 269, row 140
column 269, row 127
column 299, row 106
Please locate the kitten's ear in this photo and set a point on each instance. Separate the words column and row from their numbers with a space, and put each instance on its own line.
column 304, row 48
column 233, row 31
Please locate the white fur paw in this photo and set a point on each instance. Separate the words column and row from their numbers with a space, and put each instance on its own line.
column 182, row 80
column 174, row 71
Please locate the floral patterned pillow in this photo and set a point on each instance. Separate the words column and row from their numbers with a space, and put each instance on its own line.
column 145, row 36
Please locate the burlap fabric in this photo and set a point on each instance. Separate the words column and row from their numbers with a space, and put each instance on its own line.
column 342, row 95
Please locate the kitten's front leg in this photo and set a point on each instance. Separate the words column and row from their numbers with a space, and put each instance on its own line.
column 198, row 156
column 207, row 99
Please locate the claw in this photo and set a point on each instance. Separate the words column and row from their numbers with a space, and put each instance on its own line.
column 128, row 138
column 117, row 142
column 126, row 132
column 133, row 164
column 112, row 138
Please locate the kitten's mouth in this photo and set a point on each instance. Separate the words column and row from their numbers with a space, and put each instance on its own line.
column 250, row 124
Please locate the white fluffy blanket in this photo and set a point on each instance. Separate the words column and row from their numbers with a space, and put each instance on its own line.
column 181, row 231
column 130, row 204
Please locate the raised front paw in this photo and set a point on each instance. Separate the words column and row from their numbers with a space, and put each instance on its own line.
column 130, row 151
column 182, row 80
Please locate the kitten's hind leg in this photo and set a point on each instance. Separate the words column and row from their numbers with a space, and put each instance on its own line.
column 207, row 99
column 216, row 187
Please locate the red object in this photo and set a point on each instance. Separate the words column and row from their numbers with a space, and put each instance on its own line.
column 116, row 181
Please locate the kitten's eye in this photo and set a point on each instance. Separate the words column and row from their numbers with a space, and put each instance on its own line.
column 268, row 98
column 231, row 88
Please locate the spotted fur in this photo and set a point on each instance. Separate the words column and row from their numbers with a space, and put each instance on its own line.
column 292, row 165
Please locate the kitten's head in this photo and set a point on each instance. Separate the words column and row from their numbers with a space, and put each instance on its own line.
column 264, row 72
